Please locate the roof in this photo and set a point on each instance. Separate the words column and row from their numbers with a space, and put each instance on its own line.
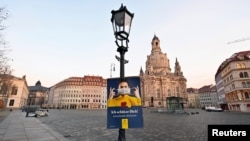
column 192, row 90
column 207, row 88
column 38, row 87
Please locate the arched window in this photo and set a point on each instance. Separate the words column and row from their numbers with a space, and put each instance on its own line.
column 243, row 65
column 238, row 66
column 241, row 75
column 245, row 74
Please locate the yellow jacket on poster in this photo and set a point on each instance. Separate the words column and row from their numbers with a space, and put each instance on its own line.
column 124, row 101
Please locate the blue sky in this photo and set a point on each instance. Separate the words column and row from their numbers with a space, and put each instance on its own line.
column 52, row 40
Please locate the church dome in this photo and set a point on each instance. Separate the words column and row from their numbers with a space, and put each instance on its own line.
column 157, row 60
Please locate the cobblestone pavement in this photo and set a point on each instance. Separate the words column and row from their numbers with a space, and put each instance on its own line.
column 86, row 125
column 3, row 114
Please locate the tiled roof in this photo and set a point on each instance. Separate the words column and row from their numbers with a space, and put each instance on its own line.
column 206, row 88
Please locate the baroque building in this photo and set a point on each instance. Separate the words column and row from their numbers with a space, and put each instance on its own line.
column 233, row 79
column 159, row 86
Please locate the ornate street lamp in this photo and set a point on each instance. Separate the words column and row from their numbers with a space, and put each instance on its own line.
column 121, row 20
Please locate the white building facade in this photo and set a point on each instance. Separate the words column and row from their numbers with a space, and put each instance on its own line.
column 208, row 96
column 88, row 92
column 234, row 73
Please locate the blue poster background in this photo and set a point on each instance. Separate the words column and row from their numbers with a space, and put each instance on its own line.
column 134, row 114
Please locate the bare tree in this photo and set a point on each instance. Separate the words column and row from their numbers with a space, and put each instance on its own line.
column 5, row 69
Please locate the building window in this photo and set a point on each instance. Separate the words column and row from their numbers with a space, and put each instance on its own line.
column 231, row 77
column 11, row 102
column 237, row 66
column 14, row 90
column 241, row 75
column 177, row 91
column 158, row 93
column 243, row 65
column 245, row 74
column 246, row 95
column 233, row 86
column 244, row 85
column 4, row 88
column 169, row 93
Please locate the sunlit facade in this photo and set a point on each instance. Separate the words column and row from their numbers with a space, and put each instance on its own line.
column 14, row 95
column 158, row 83
column 88, row 92
column 234, row 73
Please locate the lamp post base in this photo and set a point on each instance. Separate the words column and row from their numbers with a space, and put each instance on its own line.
column 122, row 136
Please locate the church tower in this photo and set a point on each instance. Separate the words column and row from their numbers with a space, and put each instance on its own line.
column 157, row 62
column 177, row 70
column 158, row 83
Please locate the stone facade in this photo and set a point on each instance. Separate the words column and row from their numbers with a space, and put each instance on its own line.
column 38, row 95
column 233, row 74
column 193, row 98
column 158, row 82
column 88, row 92
column 14, row 95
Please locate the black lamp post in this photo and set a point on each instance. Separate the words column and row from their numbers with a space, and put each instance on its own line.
column 121, row 20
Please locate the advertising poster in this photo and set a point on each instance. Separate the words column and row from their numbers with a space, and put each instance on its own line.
column 124, row 104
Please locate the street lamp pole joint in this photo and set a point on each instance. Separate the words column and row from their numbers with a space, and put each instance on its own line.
column 121, row 20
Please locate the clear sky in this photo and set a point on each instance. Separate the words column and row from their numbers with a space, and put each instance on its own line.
column 52, row 40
